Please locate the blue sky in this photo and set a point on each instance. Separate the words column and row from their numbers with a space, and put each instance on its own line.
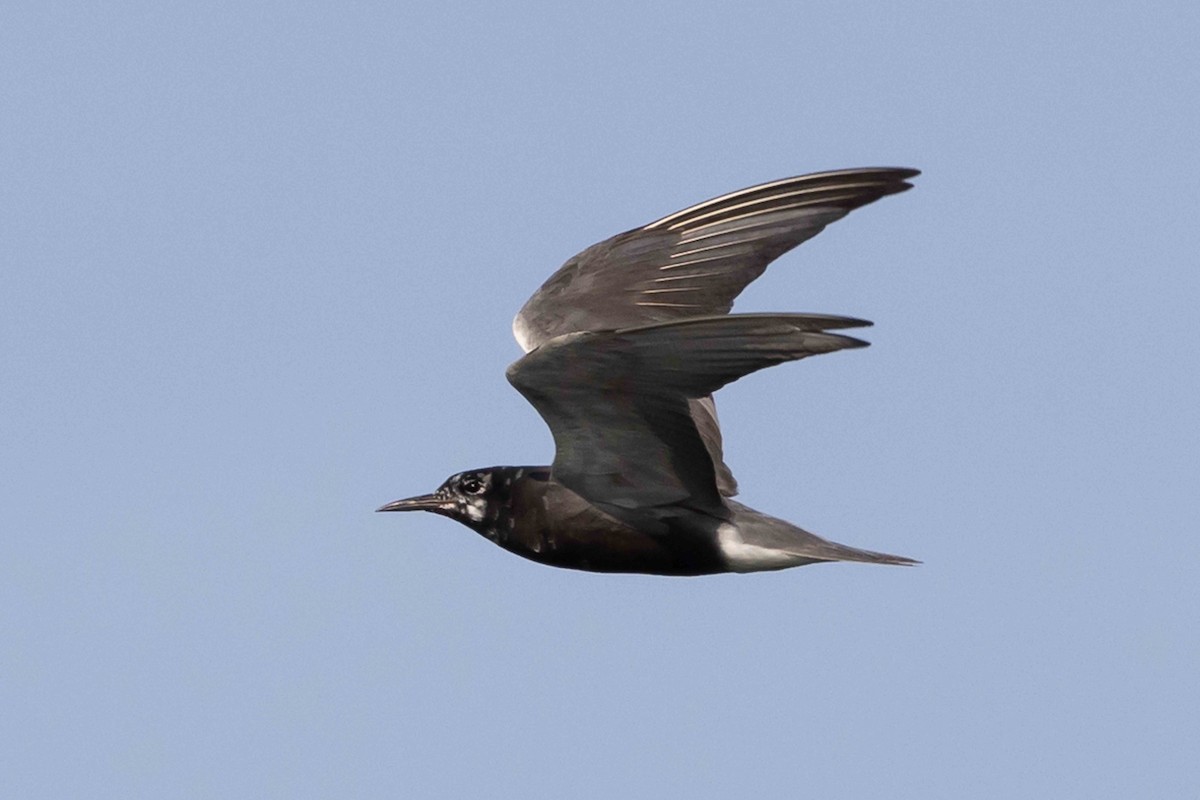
column 258, row 263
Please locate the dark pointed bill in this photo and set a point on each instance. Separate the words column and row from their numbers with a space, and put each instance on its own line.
column 422, row 502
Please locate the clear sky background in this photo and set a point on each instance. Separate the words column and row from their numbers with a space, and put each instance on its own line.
column 258, row 263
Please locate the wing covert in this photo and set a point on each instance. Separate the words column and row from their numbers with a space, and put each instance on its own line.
column 617, row 402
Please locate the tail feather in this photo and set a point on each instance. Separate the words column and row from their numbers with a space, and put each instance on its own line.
column 840, row 552
column 770, row 534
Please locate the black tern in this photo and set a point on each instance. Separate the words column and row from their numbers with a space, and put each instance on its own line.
column 625, row 345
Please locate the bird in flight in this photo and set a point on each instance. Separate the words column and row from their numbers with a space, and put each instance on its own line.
column 624, row 347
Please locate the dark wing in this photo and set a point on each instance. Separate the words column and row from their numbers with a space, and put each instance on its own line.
column 617, row 403
column 694, row 262
column 704, row 414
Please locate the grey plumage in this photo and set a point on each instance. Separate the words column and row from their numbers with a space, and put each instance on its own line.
column 645, row 377
column 625, row 345
column 694, row 263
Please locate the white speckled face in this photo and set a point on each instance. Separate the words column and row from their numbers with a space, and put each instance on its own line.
column 475, row 508
column 470, row 491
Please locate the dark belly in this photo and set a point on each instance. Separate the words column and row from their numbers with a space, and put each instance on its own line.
column 636, row 553
column 569, row 532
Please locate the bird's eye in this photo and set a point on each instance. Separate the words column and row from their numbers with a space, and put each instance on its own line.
column 472, row 485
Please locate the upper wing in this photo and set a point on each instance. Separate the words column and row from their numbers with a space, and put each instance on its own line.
column 695, row 262
column 617, row 402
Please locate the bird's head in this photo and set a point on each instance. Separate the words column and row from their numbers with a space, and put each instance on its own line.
column 477, row 498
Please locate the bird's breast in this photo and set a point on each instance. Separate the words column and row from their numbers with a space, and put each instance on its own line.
column 553, row 525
